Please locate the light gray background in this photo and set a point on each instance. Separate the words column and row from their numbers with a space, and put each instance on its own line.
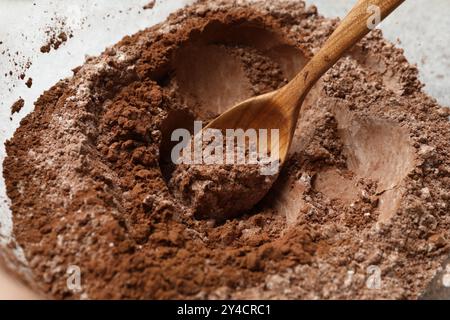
column 422, row 26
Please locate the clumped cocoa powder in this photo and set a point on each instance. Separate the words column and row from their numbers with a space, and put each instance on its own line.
column 366, row 184
column 29, row 82
column 17, row 106
column 57, row 35
column 149, row 5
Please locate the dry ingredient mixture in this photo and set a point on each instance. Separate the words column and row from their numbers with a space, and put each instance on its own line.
column 366, row 184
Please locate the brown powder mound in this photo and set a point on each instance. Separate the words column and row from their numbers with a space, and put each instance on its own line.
column 365, row 188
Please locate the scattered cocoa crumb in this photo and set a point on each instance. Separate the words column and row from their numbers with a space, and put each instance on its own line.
column 45, row 48
column 57, row 34
column 17, row 106
column 19, row 63
column 54, row 42
column 29, row 82
column 150, row 5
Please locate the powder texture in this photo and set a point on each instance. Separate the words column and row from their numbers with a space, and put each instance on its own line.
column 365, row 188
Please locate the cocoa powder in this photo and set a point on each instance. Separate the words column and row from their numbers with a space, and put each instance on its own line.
column 366, row 184
column 219, row 190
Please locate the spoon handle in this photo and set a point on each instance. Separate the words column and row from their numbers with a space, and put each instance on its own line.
column 359, row 22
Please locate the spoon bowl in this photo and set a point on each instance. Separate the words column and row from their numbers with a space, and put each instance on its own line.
column 262, row 112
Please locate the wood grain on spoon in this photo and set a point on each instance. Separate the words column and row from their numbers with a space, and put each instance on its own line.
column 280, row 109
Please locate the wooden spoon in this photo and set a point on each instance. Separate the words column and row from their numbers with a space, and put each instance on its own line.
column 280, row 109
